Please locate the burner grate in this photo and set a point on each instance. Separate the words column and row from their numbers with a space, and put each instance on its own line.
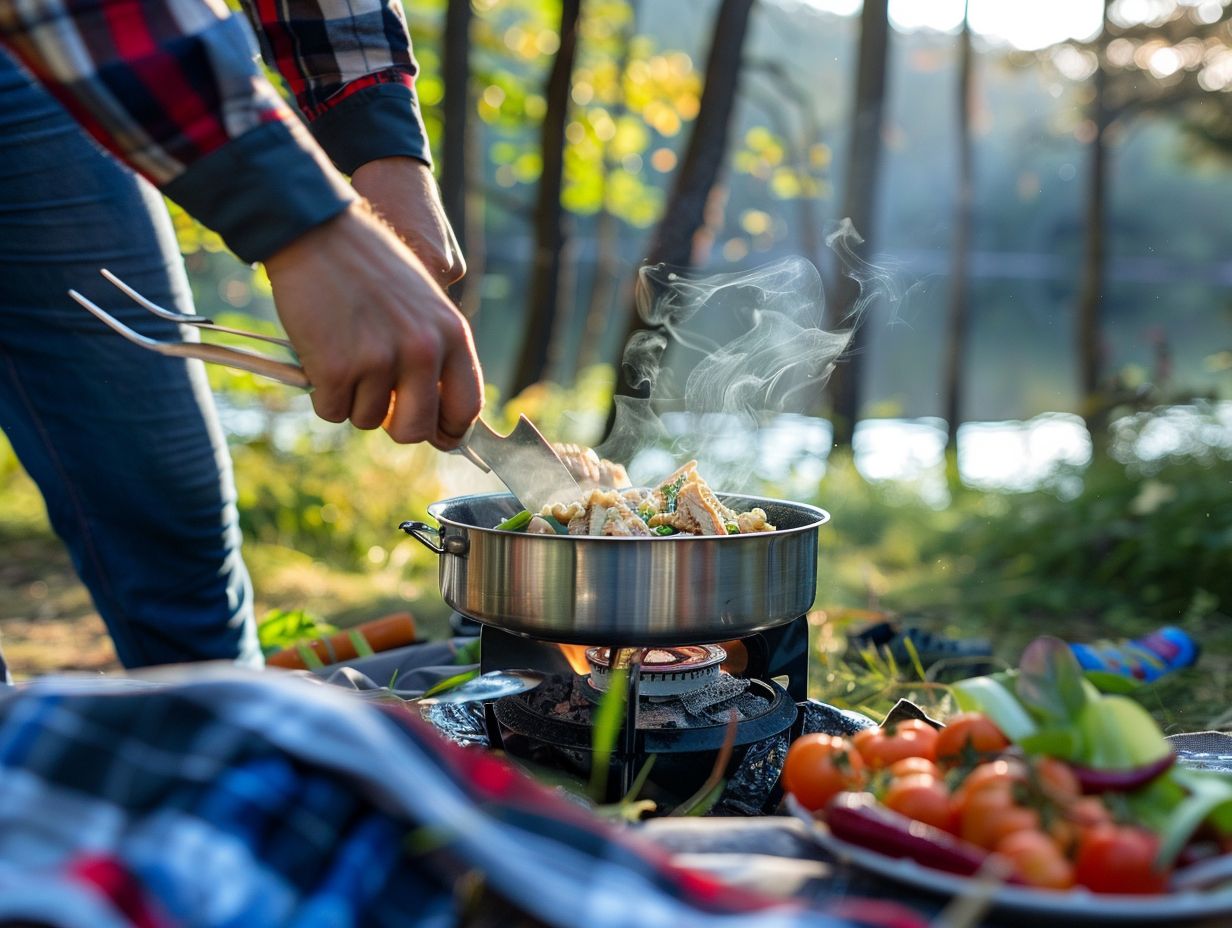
column 665, row 672
column 573, row 702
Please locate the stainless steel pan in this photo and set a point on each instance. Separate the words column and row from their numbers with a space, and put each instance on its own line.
column 624, row 591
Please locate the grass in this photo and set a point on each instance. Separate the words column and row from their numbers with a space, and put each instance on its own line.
column 48, row 623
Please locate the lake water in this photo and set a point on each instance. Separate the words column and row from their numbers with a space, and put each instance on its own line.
column 791, row 451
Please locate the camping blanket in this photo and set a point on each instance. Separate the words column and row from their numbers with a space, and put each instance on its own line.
column 213, row 796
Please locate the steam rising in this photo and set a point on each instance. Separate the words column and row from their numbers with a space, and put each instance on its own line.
column 753, row 346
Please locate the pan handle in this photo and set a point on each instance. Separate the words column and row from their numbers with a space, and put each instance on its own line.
column 423, row 533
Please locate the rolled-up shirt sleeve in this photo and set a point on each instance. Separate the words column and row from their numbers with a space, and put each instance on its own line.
column 173, row 88
column 351, row 68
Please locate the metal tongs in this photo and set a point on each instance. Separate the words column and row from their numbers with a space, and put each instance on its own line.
column 524, row 460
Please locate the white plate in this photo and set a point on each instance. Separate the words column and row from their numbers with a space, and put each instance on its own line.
column 1068, row 907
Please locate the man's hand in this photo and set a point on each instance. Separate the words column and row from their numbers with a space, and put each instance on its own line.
column 404, row 194
column 369, row 323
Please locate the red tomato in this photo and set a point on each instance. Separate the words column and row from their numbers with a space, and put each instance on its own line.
column 923, row 798
column 818, row 767
column 883, row 747
column 869, row 742
column 918, row 736
column 969, row 733
column 1119, row 859
column 910, row 765
column 1001, row 772
column 1056, row 780
column 1089, row 812
column 1077, row 818
column 1037, row 859
column 990, row 814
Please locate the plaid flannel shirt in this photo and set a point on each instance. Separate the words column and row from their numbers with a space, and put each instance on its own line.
column 221, row 797
column 173, row 88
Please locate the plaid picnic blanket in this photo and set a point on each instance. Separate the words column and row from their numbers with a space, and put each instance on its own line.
column 213, row 796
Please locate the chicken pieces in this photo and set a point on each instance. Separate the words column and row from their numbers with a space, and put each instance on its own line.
column 602, row 512
column 682, row 503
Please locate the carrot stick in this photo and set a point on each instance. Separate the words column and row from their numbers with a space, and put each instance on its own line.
column 384, row 634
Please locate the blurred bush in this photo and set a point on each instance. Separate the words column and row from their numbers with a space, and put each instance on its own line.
column 1126, row 536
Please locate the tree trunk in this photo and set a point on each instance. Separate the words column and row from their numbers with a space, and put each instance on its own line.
column 457, row 143
column 1088, row 335
column 455, row 108
column 673, row 242
column 549, row 218
column 684, row 217
column 958, row 323
column 607, row 242
column 859, row 201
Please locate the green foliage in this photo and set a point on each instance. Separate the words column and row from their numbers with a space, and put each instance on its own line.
column 450, row 683
column 608, row 722
column 192, row 236
column 285, row 628
column 631, row 100
column 869, row 681
column 340, row 499
column 1114, row 550
column 1160, row 541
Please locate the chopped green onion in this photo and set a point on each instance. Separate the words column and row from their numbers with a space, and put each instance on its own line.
column 664, row 530
column 515, row 523
column 732, row 528
column 670, row 492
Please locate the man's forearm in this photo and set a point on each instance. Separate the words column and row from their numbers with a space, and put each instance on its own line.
column 403, row 192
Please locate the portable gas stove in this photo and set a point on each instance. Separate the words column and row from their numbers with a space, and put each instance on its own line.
column 587, row 610
column 679, row 704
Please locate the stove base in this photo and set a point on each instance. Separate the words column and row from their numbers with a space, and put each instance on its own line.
column 773, row 664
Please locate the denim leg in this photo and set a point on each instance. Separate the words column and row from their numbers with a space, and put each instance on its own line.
column 123, row 443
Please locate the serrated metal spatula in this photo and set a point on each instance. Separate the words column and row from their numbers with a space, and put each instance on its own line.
column 524, row 460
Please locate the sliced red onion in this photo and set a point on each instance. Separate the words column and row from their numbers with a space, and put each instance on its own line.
column 859, row 819
column 1095, row 781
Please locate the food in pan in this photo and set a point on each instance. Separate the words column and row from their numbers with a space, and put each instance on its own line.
column 679, row 504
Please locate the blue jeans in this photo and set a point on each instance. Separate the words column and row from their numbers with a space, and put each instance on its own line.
column 124, row 444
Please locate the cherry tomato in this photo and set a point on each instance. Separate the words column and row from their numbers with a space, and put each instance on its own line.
column 918, row 736
column 882, row 747
column 1037, row 859
column 870, row 743
column 1056, row 780
column 1073, row 820
column 1002, row 772
column 818, row 767
column 1090, row 811
column 1119, row 859
column 923, row 798
column 990, row 814
column 910, row 765
column 966, row 733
